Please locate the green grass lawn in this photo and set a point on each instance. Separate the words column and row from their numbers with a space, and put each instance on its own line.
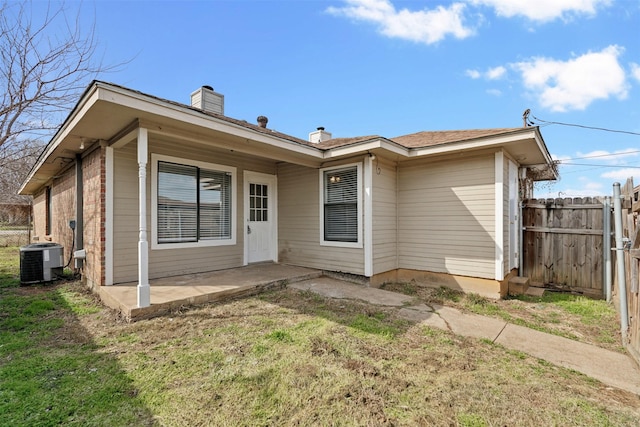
column 281, row 358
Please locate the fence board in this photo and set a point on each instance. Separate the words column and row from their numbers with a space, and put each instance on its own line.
column 563, row 243
column 632, row 260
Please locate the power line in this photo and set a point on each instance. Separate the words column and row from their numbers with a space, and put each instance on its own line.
column 582, row 170
column 604, row 155
column 601, row 166
column 581, row 126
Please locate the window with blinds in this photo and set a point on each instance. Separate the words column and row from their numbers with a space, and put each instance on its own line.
column 194, row 204
column 341, row 205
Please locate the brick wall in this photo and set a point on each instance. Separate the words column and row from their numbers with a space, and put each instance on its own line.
column 63, row 199
column 63, row 208
column 39, row 216
column 93, row 174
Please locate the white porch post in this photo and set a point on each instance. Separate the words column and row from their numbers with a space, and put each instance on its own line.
column 144, row 290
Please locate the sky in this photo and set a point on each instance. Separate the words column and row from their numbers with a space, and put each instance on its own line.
column 390, row 68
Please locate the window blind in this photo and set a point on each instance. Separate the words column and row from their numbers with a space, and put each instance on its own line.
column 341, row 205
column 215, row 205
column 177, row 203
column 193, row 204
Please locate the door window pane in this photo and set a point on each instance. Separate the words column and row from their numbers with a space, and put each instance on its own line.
column 258, row 202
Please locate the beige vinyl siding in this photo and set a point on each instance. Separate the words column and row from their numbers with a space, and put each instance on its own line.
column 446, row 216
column 125, row 214
column 170, row 262
column 299, row 225
column 385, row 220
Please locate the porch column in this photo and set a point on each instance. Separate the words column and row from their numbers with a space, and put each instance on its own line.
column 144, row 290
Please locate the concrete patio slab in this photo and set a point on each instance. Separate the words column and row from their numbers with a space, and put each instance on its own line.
column 170, row 293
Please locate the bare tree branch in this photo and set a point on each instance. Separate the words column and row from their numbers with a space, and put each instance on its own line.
column 46, row 64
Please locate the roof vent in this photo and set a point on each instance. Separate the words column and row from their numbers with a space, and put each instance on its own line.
column 208, row 100
column 262, row 121
column 319, row 135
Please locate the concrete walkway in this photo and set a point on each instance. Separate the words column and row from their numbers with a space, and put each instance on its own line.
column 611, row 368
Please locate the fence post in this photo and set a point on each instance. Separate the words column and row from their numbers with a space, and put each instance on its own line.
column 606, row 245
column 622, row 284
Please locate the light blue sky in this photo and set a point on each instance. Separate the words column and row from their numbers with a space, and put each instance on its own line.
column 390, row 68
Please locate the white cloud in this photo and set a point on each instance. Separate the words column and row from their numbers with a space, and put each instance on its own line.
column 543, row 10
column 496, row 73
column 494, row 92
column 610, row 157
column 587, row 190
column 424, row 26
column 576, row 83
column 593, row 187
column 621, row 175
column 474, row 74
column 635, row 71
column 560, row 158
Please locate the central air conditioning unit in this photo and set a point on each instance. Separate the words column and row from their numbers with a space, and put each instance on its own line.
column 40, row 262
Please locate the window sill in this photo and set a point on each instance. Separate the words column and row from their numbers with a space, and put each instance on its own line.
column 201, row 244
column 354, row 245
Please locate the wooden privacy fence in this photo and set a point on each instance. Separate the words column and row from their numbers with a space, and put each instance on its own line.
column 563, row 243
column 631, row 231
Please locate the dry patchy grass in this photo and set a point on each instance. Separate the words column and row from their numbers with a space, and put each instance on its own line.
column 294, row 358
column 282, row 358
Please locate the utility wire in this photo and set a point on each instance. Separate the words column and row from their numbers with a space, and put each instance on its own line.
column 605, row 155
column 601, row 166
column 582, row 126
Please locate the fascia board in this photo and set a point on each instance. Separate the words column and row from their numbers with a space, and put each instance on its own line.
column 155, row 106
column 86, row 102
column 542, row 146
column 363, row 147
column 495, row 141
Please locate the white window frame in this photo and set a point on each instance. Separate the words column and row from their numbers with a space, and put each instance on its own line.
column 155, row 159
column 333, row 243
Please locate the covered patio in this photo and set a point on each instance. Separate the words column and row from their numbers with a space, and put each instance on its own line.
column 171, row 293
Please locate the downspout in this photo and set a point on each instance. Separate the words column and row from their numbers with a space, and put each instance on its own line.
column 520, row 238
column 368, row 215
column 522, row 172
column 606, row 246
column 622, row 284
column 79, row 232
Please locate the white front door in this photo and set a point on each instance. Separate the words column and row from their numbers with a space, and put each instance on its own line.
column 260, row 217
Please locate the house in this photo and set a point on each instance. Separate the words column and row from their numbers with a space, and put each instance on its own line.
column 158, row 188
column 14, row 209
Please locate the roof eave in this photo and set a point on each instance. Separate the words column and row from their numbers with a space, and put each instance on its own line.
column 88, row 98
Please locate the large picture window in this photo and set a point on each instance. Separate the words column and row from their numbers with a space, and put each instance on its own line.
column 341, row 207
column 193, row 204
